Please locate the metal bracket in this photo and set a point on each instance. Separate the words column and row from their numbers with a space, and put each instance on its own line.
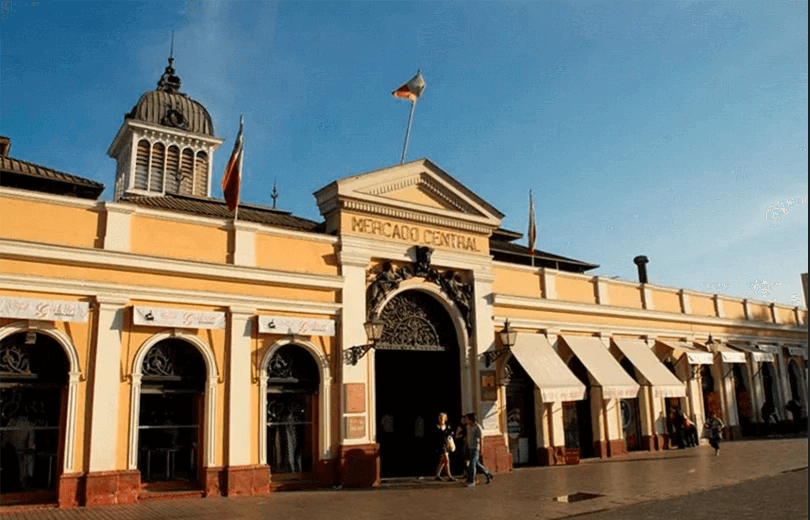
column 490, row 356
column 353, row 354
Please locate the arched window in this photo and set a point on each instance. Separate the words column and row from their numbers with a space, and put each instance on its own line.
column 142, row 166
column 201, row 175
column 173, row 170
column 156, row 170
column 292, row 393
column 186, row 171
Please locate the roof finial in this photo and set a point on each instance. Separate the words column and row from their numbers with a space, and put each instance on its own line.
column 274, row 195
column 168, row 81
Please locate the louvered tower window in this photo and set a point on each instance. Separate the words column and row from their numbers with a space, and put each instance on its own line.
column 186, row 171
column 142, row 165
column 173, row 170
column 201, row 175
column 156, row 171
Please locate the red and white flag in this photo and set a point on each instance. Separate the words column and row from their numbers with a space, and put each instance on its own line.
column 532, row 226
column 412, row 89
column 233, row 172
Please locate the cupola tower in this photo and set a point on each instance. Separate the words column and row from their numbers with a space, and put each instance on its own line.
column 165, row 145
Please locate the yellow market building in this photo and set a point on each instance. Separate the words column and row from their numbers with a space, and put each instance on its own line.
column 151, row 345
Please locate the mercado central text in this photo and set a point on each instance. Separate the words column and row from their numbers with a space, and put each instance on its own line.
column 413, row 234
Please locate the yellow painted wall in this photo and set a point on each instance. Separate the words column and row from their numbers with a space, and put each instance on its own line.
column 734, row 310
column 803, row 316
column 517, row 282
column 666, row 301
column 571, row 289
column 759, row 312
column 623, row 295
column 166, row 238
column 48, row 223
column 786, row 316
column 165, row 281
column 702, row 305
column 298, row 255
column 416, row 195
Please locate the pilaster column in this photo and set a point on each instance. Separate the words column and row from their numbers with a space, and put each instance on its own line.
column 483, row 339
column 601, row 291
column 686, row 305
column 719, row 308
column 106, row 382
column 646, row 297
column 238, row 384
column 117, row 228
column 243, row 243
column 549, row 284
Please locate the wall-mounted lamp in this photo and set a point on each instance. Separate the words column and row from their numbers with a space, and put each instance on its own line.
column 508, row 337
column 374, row 331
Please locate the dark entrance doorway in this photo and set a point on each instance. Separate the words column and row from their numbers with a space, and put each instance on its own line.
column 631, row 412
column 520, row 415
column 417, row 377
column 578, row 425
column 172, row 405
column 33, row 383
column 292, row 399
column 744, row 407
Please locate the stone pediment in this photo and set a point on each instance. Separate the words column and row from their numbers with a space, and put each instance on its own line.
column 417, row 191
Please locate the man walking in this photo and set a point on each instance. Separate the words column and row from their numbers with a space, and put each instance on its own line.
column 475, row 444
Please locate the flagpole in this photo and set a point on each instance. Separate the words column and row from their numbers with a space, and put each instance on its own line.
column 407, row 132
column 241, row 162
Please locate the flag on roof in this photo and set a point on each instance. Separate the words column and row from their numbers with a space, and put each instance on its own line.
column 233, row 172
column 412, row 89
column 532, row 226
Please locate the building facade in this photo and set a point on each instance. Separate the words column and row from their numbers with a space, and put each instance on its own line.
column 151, row 344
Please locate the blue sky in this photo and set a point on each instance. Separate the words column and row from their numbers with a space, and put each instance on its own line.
column 677, row 130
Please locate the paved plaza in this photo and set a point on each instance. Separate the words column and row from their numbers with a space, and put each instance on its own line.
column 646, row 482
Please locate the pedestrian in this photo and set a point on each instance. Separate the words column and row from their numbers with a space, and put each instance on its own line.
column 680, row 436
column 443, row 439
column 715, row 429
column 690, row 432
column 795, row 410
column 475, row 444
column 461, row 441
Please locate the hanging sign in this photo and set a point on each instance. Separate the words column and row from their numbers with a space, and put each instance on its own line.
column 56, row 310
column 182, row 318
column 297, row 326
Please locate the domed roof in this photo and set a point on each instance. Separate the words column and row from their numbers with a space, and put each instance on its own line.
column 167, row 106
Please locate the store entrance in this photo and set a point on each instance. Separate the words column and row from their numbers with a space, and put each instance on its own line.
column 520, row 415
column 33, row 383
column 578, row 423
column 417, row 377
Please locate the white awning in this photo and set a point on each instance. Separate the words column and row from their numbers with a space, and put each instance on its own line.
column 766, row 347
column 728, row 355
column 547, row 370
column 604, row 368
column 664, row 382
column 693, row 355
column 756, row 354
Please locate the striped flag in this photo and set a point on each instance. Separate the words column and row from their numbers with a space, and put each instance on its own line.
column 233, row 172
column 412, row 89
column 532, row 226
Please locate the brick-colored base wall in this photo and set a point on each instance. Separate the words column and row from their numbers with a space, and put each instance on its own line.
column 496, row 454
column 551, row 456
column 71, row 490
column 617, row 448
column 359, row 466
column 111, row 487
column 247, row 480
column 653, row 442
column 214, row 481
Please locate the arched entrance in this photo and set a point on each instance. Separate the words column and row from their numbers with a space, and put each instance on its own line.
column 578, row 422
column 520, row 414
column 743, row 394
column 417, row 376
column 772, row 401
column 33, row 399
column 291, row 409
column 711, row 401
column 172, row 405
column 631, row 412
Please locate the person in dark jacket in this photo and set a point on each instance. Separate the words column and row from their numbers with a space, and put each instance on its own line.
column 442, row 437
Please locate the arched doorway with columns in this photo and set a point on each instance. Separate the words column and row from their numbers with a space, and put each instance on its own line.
column 294, row 407
column 172, row 407
column 39, row 376
column 417, row 370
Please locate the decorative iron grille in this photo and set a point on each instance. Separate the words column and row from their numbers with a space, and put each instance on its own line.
column 415, row 321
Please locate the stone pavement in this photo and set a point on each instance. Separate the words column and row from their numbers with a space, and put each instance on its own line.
column 524, row 493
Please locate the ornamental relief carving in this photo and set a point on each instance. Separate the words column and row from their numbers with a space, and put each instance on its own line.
column 388, row 277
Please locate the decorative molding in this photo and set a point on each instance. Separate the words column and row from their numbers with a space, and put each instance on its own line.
column 600, row 310
column 160, row 294
column 414, row 216
column 58, row 200
column 132, row 262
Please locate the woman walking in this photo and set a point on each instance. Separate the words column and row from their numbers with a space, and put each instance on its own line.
column 443, row 438
column 715, row 427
